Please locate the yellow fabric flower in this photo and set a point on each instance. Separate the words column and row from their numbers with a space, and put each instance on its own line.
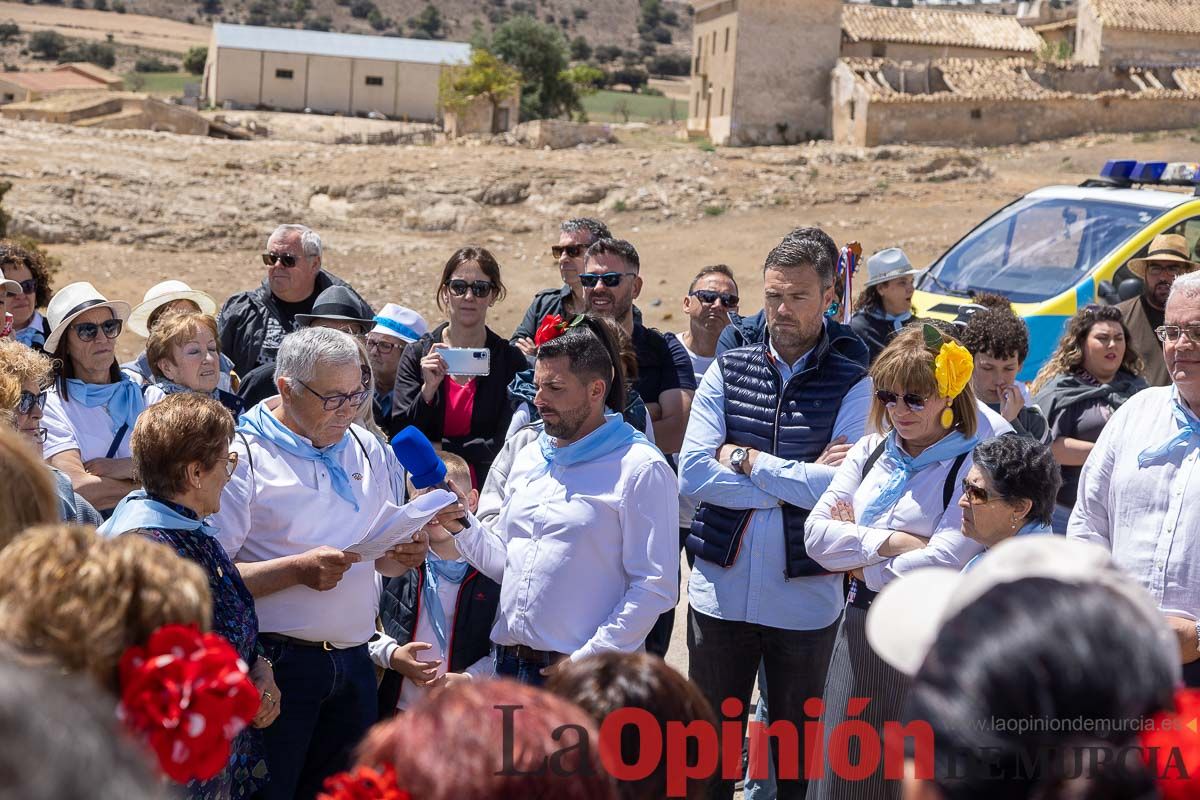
column 952, row 368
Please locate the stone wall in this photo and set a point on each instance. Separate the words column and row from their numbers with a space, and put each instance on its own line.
column 558, row 134
column 714, row 59
column 1148, row 47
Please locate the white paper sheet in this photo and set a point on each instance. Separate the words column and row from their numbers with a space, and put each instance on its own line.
column 406, row 521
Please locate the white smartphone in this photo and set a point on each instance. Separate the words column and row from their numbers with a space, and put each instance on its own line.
column 467, row 360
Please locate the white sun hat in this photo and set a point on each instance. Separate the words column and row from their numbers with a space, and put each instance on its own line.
column 159, row 295
column 72, row 300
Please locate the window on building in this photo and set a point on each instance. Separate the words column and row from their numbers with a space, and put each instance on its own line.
column 284, row 74
column 878, row 50
column 714, row 43
column 722, row 102
column 727, row 40
column 697, row 101
column 8, row 98
column 976, row 113
column 374, row 80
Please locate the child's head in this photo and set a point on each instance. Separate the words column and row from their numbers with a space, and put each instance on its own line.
column 458, row 473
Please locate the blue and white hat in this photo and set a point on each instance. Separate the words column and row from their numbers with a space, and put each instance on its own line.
column 888, row 264
column 400, row 323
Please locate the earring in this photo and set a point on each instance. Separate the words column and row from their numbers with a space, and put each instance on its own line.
column 1014, row 523
column 947, row 418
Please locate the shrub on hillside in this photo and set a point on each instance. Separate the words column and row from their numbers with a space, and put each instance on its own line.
column 194, row 60
column 47, row 44
column 153, row 64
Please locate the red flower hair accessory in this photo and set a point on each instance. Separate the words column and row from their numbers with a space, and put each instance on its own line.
column 1171, row 747
column 364, row 783
column 188, row 695
column 552, row 327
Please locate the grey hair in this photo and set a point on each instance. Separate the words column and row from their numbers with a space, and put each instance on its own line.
column 595, row 227
column 366, row 412
column 310, row 241
column 806, row 247
column 302, row 353
column 1187, row 285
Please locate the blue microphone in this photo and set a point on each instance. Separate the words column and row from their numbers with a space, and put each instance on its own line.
column 417, row 456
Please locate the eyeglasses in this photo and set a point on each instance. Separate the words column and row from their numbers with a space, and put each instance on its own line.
column 1158, row 270
column 609, row 279
column 480, row 289
column 87, row 331
column 335, row 401
column 572, row 250
column 231, row 462
column 287, row 259
column 914, row 401
column 977, row 495
column 709, row 297
column 383, row 347
column 1171, row 333
column 28, row 286
column 29, row 400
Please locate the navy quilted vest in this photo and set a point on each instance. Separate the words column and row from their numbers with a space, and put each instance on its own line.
column 794, row 422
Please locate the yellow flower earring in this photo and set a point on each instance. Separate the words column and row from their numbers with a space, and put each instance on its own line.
column 947, row 417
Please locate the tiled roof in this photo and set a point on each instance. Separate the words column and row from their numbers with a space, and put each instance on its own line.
column 51, row 81
column 340, row 45
column 938, row 27
column 1168, row 16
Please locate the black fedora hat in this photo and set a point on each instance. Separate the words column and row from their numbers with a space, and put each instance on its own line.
column 338, row 302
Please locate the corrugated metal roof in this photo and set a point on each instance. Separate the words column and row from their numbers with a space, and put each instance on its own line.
column 1168, row 16
column 340, row 45
column 937, row 27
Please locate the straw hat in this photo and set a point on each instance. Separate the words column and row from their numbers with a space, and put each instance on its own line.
column 71, row 301
column 159, row 295
column 1166, row 247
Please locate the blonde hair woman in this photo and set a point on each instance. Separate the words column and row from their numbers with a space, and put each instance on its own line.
column 27, row 495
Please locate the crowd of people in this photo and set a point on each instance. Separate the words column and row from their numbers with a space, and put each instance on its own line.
column 299, row 549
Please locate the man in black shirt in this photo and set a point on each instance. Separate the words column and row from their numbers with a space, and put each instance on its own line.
column 253, row 323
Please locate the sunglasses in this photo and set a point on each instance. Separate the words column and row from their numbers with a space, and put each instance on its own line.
column 572, row 250
column 28, row 286
column 709, row 297
column 480, row 289
column 29, row 400
column 39, row 435
column 977, row 495
column 382, row 347
column 914, row 401
column 333, row 402
column 1171, row 333
column 610, row 279
column 271, row 259
column 87, row 331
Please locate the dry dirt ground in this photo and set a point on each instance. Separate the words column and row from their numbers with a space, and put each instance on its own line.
column 133, row 29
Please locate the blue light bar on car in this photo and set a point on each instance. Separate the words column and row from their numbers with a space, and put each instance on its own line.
column 1148, row 171
column 1116, row 170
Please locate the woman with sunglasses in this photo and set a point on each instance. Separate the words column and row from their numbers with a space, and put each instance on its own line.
column 32, row 373
column 1009, row 491
column 26, row 268
column 891, row 509
column 181, row 448
column 1090, row 375
column 91, row 409
column 466, row 415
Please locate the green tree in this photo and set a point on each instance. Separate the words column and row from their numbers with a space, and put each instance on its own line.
column 429, row 22
column 580, row 49
column 361, row 9
column 585, row 78
column 98, row 53
column 540, row 53
column 47, row 44
column 9, row 31
column 193, row 62
column 486, row 76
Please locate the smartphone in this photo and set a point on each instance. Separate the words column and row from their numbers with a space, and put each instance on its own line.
column 467, row 360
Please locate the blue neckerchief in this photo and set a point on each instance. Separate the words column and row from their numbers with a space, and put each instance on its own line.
column 437, row 570
column 613, row 434
column 122, row 399
column 261, row 422
column 1189, row 430
column 385, row 403
column 898, row 320
column 32, row 335
column 905, row 466
column 1031, row 527
column 141, row 510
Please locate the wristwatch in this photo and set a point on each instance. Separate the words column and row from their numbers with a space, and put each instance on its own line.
column 737, row 458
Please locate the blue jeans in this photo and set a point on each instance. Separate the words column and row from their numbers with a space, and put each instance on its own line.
column 764, row 789
column 522, row 670
column 327, row 703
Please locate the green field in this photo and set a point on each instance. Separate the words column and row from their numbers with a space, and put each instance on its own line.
column 159, row 83
column 605, row 106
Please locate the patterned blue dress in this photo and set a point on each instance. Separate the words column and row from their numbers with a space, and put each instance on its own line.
column 233, row 618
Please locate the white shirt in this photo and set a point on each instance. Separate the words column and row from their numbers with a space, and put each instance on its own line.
column 73, row 426
column 700, row 364
column 843, row 546
column 382, row 647
column 586, row 555
column 285, row 506
column 1147, row 516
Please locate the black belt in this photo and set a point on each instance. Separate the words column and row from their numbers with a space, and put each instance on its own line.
column 526, row 653
column 859, row 595
column 281, row 639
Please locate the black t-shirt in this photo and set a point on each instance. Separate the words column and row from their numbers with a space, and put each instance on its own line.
column 1083, row 420
column 663, row 364
column 278, row 328
column 1029, row 422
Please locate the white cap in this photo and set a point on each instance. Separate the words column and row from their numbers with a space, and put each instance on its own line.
column 906, row 617
column 400, row 323
column 888, row 264
column 159, row 295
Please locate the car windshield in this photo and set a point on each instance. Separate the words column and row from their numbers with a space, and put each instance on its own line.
column 1036, row 248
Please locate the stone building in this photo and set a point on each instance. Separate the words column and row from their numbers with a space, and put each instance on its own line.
column 1138, row 32
column 753, row 80
column 295, row 70
column 26, row 87
column 921, row 34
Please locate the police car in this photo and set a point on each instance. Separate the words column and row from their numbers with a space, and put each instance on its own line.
column 1060, row 248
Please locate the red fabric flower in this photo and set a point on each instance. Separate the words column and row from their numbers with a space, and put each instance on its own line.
column 551, row 327
column 1171, row 747
column 188, row 695
column 364, row 783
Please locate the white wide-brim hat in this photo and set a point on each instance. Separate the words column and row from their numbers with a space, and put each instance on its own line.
column 159, row 295
column 72, row 300
column 9, row 286
column 906, row 617
column 887, row 265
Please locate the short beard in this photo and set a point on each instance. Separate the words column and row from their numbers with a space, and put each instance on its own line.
column 568, row 424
